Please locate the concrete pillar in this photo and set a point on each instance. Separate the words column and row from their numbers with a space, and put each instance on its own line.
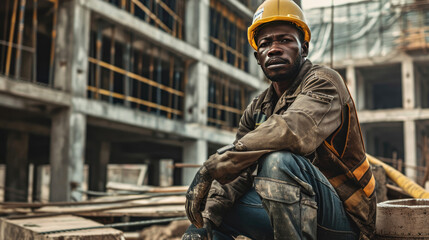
column 197, row 34
column 197, row 23
column 98, row 159
column 67, row 151
column 419, row 89
column 194, row 152
column 196, row 99
column 408, row 85
column 360, row 92
column 71, row 47
column 16, row 183
column 161, row 172
column 351, row 81
column 68, row 131
column 410, row 148
column 166, row 172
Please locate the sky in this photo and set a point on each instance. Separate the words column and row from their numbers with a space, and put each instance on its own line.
column 307, row 4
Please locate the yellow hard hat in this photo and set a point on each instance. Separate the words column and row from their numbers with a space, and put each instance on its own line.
column 278, row 10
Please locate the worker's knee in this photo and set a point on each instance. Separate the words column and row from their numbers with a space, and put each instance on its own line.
column 273, row 164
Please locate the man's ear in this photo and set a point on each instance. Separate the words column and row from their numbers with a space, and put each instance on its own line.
column 304, row 47
column 256, row 56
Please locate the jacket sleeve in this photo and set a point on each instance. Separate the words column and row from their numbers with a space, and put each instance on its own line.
column 312, row 117
column 221, row 198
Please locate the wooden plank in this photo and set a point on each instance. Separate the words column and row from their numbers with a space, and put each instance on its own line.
column 18, row 62
column 166, row 206
column 26, row 229
column 34, row 41
column 11, row 35
column 146, row 189
column 112, row 63
column 53, row 42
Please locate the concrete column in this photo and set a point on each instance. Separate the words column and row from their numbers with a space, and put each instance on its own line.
column 68, row 130
column 99, row 155
column 197, row 23
column 68, row 134
column 196, row 99
column 408, row 85
column 166, row 172
column 16, row 184
column 360, row 92
column 351, row 81
column 194, row 152
column 71, row 47
column 410, row 148
column 197, row 33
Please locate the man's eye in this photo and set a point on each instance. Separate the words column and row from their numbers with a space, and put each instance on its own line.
column 263, row 44
column 286, row 40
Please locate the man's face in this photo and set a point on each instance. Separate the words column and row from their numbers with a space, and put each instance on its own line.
column 280, row 52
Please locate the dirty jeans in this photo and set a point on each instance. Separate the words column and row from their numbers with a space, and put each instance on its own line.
column 291, row 199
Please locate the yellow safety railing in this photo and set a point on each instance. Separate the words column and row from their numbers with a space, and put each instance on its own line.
column 404, row 182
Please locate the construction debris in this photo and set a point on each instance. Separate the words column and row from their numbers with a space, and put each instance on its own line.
column 26, row 229
column 156, row 205
column 173, row 231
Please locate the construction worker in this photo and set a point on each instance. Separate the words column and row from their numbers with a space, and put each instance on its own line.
column 297, row 169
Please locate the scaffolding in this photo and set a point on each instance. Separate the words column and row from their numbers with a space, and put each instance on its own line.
column 228, row 36
column 26, row 29
column 167, row 15
column 368, row 29
column 226, row 101
column 414, row 27
column 127, row 70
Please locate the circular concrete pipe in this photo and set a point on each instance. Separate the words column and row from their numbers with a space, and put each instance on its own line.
column 403, row 219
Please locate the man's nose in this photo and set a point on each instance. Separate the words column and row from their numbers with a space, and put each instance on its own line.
column 274, row 49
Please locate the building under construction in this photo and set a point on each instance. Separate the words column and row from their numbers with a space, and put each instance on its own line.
column 87, row 84
column 381, row 48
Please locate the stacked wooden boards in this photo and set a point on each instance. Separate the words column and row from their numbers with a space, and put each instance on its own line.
column 29, row 229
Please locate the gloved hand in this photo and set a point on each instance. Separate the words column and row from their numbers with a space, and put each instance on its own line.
column 204, row 233
column 196, row 196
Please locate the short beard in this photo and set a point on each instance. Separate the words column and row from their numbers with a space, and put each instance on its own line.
column 296, row 66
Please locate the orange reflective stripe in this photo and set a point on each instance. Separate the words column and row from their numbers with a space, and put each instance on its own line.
column 361, row 170
column 369, row 188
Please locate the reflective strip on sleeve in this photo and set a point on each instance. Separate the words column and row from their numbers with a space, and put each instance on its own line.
column 361, row 170
column 369, row 188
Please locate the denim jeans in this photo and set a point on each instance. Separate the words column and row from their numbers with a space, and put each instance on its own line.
column 291, row 199
column 293, row 191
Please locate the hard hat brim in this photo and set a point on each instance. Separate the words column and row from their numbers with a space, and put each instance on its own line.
column 253, row 27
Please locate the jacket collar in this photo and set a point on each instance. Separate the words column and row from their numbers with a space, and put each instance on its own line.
column 291, row 93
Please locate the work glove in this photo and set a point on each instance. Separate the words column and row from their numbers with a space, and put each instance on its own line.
column 204, row 233
column 196, row 196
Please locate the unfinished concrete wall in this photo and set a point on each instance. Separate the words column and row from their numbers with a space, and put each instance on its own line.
column 123, row 82
column 384, row 139
column 421, row 73
column 380, row 87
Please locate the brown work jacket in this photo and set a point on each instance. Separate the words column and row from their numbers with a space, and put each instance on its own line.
column 315, row 118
